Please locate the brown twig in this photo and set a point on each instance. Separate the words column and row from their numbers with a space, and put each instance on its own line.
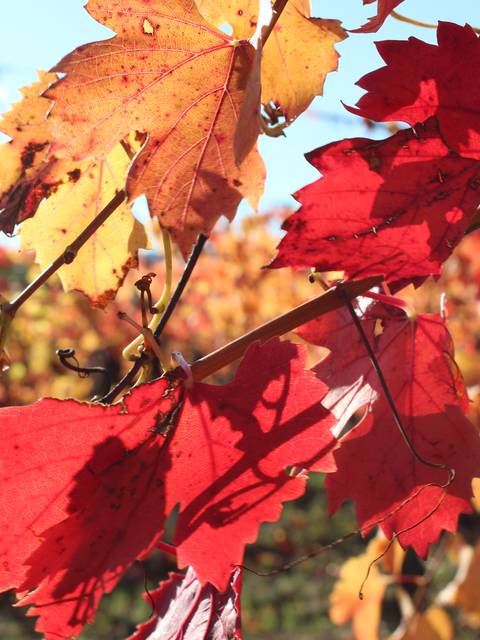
column 418, row 23
column 277, row 9
column 324, row 303
column 68, row 255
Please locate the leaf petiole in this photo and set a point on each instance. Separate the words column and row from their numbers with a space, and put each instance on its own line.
column 134, row 350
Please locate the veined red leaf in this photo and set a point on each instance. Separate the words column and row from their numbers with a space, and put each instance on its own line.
column 87, row 480
column 395, row 207
column 375, row 466
column 242, row 438
column 185, row 609
column 347, row 372
column 421, row 80
column 46, row 446
column 110, row 479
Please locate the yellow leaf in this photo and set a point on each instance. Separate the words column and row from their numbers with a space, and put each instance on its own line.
column 297, row 56
column 23, row 158
column 103, row 262
column 345, row 604
column 392, row 561
column 467, row 592
column 27, row 119
column 169, row 74
column 433, row 624
column 476, row 493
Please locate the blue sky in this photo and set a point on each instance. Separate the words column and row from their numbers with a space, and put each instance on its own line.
column 34, row 34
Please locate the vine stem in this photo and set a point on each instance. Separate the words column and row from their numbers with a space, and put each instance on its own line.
column 277, row 10
column 418, row 23
column 362, row 531
column 234, row 350
column 68, row 255
column 182, row 283
column 129, row 377
column 320, row 305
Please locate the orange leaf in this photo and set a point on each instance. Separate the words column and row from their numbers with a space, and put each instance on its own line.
column 171, row 75
column 297, row 56
column 433, row 624
column 466, row 585
column 476, row 493
column 345, row 603
column 102, row 264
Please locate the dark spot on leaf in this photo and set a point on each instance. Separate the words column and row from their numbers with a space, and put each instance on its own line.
column 28, row 154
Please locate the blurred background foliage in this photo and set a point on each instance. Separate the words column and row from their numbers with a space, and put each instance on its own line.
column 229, row 294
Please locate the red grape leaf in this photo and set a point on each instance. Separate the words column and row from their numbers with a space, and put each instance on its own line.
column 170, row 74
column 109, row 480
column 375, row 466
column 422, row 80
column 45, row 447
column 348, row 372
column 243, row 437
column 395, row 207
column 186, row 609
column 85, row 477
column 384, row 8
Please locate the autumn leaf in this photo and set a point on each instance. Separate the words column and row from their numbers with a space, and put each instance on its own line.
column 67, row 195
column 376, row 468
column 462, row 591
column 384, row 8
column 102, row 264
column 184, row 609
column 171, row 75
column 395, row 207
column 348, row 371
column 243, row 437
column 23, row 160
column 432, row 624
column 89, row 474
column 476, row 494
column 112, row 478
column 421, row 80
column 345, row 603
column 290, row 77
